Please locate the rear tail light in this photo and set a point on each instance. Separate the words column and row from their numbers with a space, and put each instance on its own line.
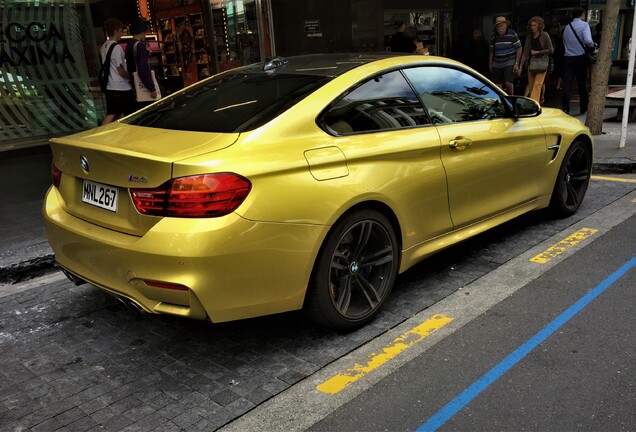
column 209, row 195
column 56, row 175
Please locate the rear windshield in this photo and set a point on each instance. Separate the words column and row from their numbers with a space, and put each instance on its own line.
column 234, row 102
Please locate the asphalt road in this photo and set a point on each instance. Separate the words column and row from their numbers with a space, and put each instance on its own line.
column 581, row 377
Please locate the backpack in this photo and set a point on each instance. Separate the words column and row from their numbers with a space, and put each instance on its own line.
column 104, row 70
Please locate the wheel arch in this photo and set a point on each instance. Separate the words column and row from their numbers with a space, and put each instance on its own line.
column 587, row 140
column 378, row 206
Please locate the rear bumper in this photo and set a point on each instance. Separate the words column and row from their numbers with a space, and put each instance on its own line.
column 231, row 268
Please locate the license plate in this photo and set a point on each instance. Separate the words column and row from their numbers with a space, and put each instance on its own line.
column 100, row 195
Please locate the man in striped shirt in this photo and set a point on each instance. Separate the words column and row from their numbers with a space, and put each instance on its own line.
column 505, row 53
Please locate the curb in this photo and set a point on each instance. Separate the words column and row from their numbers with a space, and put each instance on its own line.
column 27, row 269
column 614, row 166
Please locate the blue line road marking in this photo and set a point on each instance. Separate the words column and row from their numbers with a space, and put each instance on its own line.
column 464, row 398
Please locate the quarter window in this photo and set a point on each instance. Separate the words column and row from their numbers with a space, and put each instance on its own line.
column 451, row 95
column 385, row 102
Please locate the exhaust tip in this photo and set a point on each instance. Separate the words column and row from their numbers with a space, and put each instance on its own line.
column 76, row 280
column 130, row 306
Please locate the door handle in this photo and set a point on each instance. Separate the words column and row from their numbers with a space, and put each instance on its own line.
column 460, row 143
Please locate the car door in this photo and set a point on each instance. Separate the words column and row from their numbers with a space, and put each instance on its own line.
column 493, row 162
column 392, row 153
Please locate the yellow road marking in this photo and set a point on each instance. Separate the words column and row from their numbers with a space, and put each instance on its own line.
column 564, row 245
column 615, row 179
column 338, row 382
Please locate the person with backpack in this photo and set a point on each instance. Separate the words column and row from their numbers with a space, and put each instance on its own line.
column 114, row 75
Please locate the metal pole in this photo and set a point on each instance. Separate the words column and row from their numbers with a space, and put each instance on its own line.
column 628, row 85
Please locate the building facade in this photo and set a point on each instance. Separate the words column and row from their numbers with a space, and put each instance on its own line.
column 49, row 49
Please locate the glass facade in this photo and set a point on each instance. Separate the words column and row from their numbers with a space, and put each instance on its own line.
column 47, row 56
column 49, row 49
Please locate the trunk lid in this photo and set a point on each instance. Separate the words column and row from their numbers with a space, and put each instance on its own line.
column 120, row 157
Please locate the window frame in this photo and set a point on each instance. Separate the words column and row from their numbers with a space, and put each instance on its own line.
column 507, row 104
column 322, row 124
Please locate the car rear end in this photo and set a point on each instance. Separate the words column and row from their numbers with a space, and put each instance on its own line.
column 149, row 208
column 129, row 213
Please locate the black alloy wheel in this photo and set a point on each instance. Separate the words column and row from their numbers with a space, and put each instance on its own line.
column 572, row 181
column 355, row 271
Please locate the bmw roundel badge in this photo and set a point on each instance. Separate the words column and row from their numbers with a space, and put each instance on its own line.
column 84, row 163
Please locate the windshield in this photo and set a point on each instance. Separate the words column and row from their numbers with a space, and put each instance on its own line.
column 232, row 102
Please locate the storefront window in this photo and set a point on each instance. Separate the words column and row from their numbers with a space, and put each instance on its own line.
column 46, row 51
column 241, row 28
column 419, row 26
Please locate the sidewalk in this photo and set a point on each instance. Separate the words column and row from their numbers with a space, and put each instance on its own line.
column 25, row 177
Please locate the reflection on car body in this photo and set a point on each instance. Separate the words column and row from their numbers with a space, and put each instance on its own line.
column 310, row 185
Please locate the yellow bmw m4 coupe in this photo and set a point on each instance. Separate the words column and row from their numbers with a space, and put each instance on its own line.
column 305, row 182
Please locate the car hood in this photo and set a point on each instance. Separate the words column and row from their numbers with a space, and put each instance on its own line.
column 125, row 156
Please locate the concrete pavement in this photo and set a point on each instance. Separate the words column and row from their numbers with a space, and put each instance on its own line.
column 25, row 177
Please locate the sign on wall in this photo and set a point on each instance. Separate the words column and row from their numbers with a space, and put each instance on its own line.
column 44, row 80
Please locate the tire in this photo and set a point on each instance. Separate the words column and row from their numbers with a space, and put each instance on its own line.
column 354, row 272
column 572, row 180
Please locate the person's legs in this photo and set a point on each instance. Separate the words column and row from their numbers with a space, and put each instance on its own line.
column 537, row 84
column 542, row 100
column 530, row 86
column 497, row 77
column 508, row 79
column 119, row 103
column 111, row 107
column 581, row 78
column 568, row 81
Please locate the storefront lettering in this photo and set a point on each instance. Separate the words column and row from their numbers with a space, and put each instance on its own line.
column 16, row 33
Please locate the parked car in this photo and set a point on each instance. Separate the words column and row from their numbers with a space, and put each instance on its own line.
column 305, row 182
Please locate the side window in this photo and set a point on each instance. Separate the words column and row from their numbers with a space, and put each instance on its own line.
column 383, row 103
column 451, row 95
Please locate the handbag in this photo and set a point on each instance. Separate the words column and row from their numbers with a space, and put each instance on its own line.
column 142, row 92
column 591, row 52
column 538, row 63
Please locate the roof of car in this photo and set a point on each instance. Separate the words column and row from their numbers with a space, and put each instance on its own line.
column 330, row 65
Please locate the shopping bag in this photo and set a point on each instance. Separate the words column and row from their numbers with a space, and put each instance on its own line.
column 141, row 91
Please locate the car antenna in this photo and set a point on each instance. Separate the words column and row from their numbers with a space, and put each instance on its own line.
column 274, row 63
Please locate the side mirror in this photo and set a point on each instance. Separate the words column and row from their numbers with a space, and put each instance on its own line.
column 524, row 107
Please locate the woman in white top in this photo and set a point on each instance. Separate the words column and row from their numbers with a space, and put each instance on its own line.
column 119, row 97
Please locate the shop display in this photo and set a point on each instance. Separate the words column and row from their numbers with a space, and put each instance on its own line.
column 185, row 49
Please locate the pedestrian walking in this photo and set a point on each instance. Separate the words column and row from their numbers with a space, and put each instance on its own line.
column 505, row 54
column 119, row 96
column 138, row 59
column 536, row 57
column 577, row 39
